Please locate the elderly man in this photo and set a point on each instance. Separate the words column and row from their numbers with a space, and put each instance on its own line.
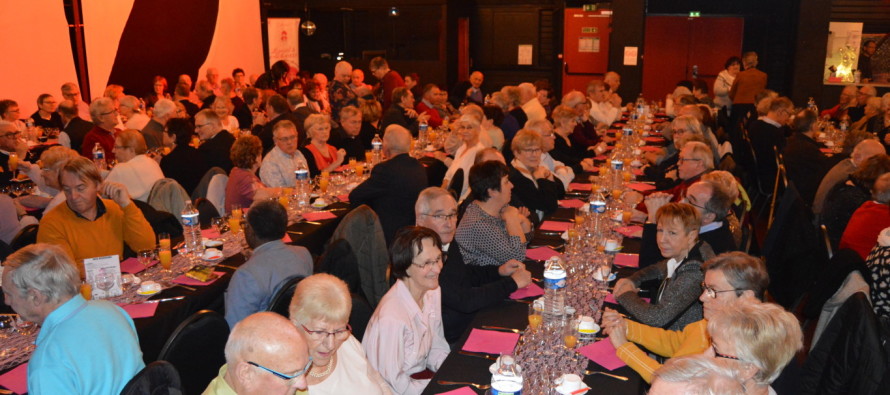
column 40, row 282
column 530, row 103
column 339, row 93
column 71, row 92
column 10, row 143
column 272, row 263
column 805, row 163
column 695, row 160
column 153, row 132
column 465, row 289
column 389, row 80
column 402, row 112
column 265, row 354
column 131, row 111
column 97, row 217
column 746, row 86
column 75, row 128
column 767, row 134
column 104, row 117
column 394, row 184
column 469, row 91
column 846, row 100
column 428, row 105
column 10, row 112
column 600, row 108
column 839, row 173
column 280, row 163
column 349, row 137
column 204, row 91
column 217, row 143
column 277, row 110
column 212, row 75
column 613, row 81
column 857, row 111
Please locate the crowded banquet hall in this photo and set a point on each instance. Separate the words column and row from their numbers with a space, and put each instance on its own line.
column 445, row 197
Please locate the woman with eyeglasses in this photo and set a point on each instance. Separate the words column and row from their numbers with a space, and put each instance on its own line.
column 320, row 309
column 564, row 121
column 732, row 278
column 405, row 340
column 533, row 184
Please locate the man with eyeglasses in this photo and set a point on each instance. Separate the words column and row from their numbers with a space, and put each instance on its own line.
column 349, row 136
column 394, row 184
column 732, row 278
column 465, row 289
column 857, row 111
column 216, row 142
column 71, row 92
column 280, row 163
column 10, row 143
column 265, row 354
column 105, row 119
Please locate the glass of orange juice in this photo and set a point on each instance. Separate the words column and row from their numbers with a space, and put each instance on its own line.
column 570, row 333
column 235, row 211
column 164, row 240
column 13, row 162
column 86, row 290
column 234, row 224
column 166, row 258
column 359, row 169
column 535, row 318
column 369, row 156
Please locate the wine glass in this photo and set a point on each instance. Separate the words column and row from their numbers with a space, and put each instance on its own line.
column 145, row 257
column 219, row 225
column 7, row 325
column 104, row 281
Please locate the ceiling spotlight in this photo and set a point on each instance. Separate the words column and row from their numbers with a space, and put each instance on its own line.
column 394, row 11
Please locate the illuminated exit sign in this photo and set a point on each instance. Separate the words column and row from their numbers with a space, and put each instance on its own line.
column 694, row 14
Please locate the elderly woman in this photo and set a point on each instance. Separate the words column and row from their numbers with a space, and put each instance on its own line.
column 845, row 197
column 183, row 162
column 223, row 107
column 405, row 339
column 873, row 119
column 674, row 305
column 724, row 80
column 243, row 184
column 533, row 184
column 468, row 129
column 134, row 169
column 320, row 156
column 320, row 309
column 758, row 339
column 159, row 91
column 731, row 278
column 584, row 137
column 51, row 160
column 564, row 121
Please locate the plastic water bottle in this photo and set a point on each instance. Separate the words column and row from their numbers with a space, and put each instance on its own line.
column 301, row 187
column 555, row 289
column 811, row 105
column 99, row 156
column 507, row 380
column 596, row 211
column 377, row 147
column 191, row 229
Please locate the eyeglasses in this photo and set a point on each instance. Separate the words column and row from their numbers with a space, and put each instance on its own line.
column 201, row 125
column 322, row 335
column 286, row 139
column 532, row 150
column 120, row 147
column 11, row 135
column 282, row 375
column 442, row 217
column 688, row 160
column 689, row 202
column 724, row 356
column 427, row 264
column 110, row 112
column 713, row 292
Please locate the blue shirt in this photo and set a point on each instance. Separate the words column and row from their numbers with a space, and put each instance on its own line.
column 254, row 283
column 85, row 348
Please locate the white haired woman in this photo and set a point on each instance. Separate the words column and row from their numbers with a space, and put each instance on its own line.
column 320, row 309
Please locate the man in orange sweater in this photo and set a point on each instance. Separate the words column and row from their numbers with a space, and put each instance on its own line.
column 87, row 226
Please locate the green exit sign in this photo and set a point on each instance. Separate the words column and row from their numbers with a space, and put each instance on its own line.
column 589, row 30
column 694, row 14
column 589, row 7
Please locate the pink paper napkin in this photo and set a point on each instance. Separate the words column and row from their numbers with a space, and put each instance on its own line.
column 530, row 291
column 555, row 226
column 210, row 233
column 826, row 150
column 571, row 203
column 16, row 380
column 140, row 310
column 318, row 215
column 631, row 231
column 286, row 238
column 491, row 342
column 603, row 353
column 637, row 172
column 650, row 148
column 343, row 198
column 190, row 281
column 640, row 187
column 540, row 253
column 653, row 139
column 618, row 124
column 628, row 260
column 600, row 157
column 132, row 265
column 580, row 186
column 459, row 391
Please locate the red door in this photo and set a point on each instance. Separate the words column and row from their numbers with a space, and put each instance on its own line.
column 585, row 48
column 674, row 44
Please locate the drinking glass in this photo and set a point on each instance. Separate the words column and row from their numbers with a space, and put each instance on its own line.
column 104, row 281
column 235, row 211
column 219, row 225
column 145, row 257
column 86, row 290
column 570, row 333
column 164, row 240
column 535, row 318
column 234, row 224
column 166, row 258
column 7, row 325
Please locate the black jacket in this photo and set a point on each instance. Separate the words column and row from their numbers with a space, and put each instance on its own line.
column 719, row 239
column 185, row 165
column 76, row 129
column 396, row 115
column 806, row 165
column 544, row 197
column 391, row 191
column 216, row 151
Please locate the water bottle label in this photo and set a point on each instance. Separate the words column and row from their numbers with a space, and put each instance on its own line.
column 628, row 131
column 302, row 175
column 98, row 155
column 506, row 388
column 423, row 127
column 555, row 283
column 617, row 165
column 598, row 207
column 377, row 145
column 190, row 220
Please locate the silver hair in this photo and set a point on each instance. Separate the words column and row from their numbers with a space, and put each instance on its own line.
column 98, row 106
column 573, row 98
column 540, row 125
column 426, row 197
column 164, row 107
column 45, row 268
column 702, row 374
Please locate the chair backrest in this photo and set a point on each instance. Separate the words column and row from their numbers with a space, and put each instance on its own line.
column 200, row 190
column 361, row 228
column 167, row 195
column 216, row 192
column 196, row 349
column 456, row 186
column 206, row 211
column 339, row 260
column 158, row 378
column 25, row 237
column 780, row 186
column 281, row 300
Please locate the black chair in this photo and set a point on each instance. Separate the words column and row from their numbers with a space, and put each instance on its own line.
column 5, row 250
column 158, row 378
column 206, row 211
column 25, row 237
column 457, row 184
column 281, row 300
column 196, row 349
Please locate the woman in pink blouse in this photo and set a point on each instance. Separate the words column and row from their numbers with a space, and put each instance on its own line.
column 405, row 340
column 320, row 156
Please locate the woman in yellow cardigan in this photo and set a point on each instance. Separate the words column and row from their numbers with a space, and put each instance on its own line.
column 730, row 278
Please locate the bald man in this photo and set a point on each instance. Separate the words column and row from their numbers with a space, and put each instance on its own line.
column 469, row 91
column 394, row 184
column 839, row 173
column 265, row 354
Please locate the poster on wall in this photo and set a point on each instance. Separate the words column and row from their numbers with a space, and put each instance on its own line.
column 284, row 40
column 841, row 57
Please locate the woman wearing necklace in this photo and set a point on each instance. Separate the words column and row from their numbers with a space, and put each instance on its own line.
column 320, row 309
column 320, row 156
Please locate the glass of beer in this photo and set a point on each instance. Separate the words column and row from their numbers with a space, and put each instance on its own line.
column 13, row 162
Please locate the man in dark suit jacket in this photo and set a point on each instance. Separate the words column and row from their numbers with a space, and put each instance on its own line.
column 768, row 134
column 466, row 289
column 217, row 143
column 394, row 184
column 402, row 112
column 469, row 91
column 75, row 127
column 348, row 135
column 277, row 110
column 806, row 164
